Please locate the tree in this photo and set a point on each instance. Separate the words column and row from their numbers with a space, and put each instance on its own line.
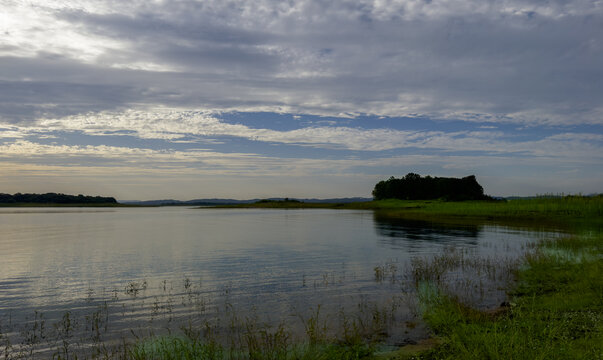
column 54, row 198
column 414, row 187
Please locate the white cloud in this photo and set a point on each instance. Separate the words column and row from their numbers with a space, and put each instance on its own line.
column 174, row 125
column 11, row 132
column 31, row 27
column 178, row 126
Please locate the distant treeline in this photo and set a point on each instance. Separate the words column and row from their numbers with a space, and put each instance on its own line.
column 53, row 198
column 414, row 187
column 285, row 200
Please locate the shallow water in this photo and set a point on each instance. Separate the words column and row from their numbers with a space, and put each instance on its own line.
column 152, row 269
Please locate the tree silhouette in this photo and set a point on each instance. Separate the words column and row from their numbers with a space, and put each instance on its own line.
column 54, row 198
column 414, row 187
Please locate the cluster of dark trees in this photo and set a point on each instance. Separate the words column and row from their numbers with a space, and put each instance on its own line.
column 53, row 198
column 414, row 187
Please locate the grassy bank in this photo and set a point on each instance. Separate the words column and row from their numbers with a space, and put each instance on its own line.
column 574, row 209
column 555, row 311
column 569, row 207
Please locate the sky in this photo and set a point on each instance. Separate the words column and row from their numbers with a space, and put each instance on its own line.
column 246, row 99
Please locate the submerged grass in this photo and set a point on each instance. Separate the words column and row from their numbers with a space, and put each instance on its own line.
column 95, row 333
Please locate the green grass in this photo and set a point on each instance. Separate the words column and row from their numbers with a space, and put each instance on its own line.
column 568, row 206
column 175, row 348
column 540, row 211
column 555, row 312
column 564, row 207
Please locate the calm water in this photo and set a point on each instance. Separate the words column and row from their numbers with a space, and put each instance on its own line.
column 154, row 267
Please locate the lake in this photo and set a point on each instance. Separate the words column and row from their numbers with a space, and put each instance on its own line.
column 144, row 271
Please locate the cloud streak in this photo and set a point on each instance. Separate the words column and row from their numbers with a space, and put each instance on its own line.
column 173, row 124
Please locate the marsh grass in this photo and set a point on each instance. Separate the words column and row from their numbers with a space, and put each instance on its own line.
column 182, row 321
column 182, row 348
column 481, row 281
column 556, row 310
column 386, row 271
column 539, row 211
column 568, row 206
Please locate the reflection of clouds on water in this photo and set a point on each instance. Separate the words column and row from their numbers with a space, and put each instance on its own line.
column 157, row 267
column 399, row 233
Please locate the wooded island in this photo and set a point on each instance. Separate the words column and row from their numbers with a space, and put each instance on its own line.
column 54, row 198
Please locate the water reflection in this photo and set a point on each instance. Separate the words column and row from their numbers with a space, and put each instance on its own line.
column 155, row 269
column 400, row 233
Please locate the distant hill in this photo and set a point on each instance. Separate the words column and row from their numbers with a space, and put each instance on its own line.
column 209, row 202
column 54, row 198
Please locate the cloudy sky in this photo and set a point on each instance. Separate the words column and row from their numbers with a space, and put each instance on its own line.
column 312, row 98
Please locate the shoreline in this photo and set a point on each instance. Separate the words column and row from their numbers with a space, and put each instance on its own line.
column 569, row 210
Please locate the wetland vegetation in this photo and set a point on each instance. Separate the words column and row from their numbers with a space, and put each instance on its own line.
column 564, row 209
column 554, row 311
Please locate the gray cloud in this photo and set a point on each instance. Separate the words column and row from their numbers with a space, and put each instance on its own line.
column 25, row 101
column 523, row 61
